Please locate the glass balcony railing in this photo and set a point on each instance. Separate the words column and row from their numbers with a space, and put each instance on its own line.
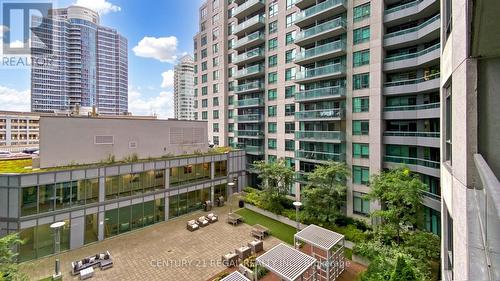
column 402, row 7
column 320, row 135
column 256, row 85
column 246, row 5
column 320, row 156
column 320, row 114
column 412, row 81
column 301, row 177
column 248, row 133
column 412, row 134
column 320, row 71
column 322, row 49
column 431, row 195
column 413, row 29
column 251, row 102
column 248, row 55
column 316, row 9
column 327, row 92
column 249, row 22
column 413, row 55
column 250, row 118
column 413, row 161
column 313, row 31
column 254, row 149
column 254, row 36
column 250, row 70
column 412, row 107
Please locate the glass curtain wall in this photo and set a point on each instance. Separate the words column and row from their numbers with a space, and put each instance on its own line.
column 39, row 241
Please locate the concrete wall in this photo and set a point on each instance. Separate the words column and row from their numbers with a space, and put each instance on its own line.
column 68, row 141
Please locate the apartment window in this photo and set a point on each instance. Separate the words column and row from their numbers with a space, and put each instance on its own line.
column 215, row 48
column 203, row 40
column 273, row 60
column 215, row 18
column 448, row 123
column 195, row 92
column 215, row 114
column 203, row 26
column 361, row 58
column 196, row 116
column 215, row 75
column 290, row 3
column 215, row 88
column 230, row 86
column 289, row 145
column 230, row 115
column 272, row 94
column 290, row 37
column 230, row 128
column 195, row 68
column 204, row 103
column 272, row 44
column 215, row 61
column 272, row 77
column 271, row 111
column 230, row 43
column 361, row 81
column 215, row 5
column 361, row 206
column 216, row 127
column 204, row 90
column 290, row 19
column 360, row 104
column 230, row 72
column 273, row 9
column 230, row 100
column 289, row 55
column 360, row 175
column 361, row 35
column 289, row 73
column 272, row 127
column 204, row 78
column 271, row 143
column 204, row 115
column 216, row 140
column 289, row 109
column 215, row 34
column 448, row 17
column 204, row 53
column 271, row 158
column 195, row 104
column 289, row 91
column 289, row 127
column 215, row 101
column 204, row 66
column 361, row 12
column 273, row 27
column 360, row 127
column 360, row 150
column 230, row 28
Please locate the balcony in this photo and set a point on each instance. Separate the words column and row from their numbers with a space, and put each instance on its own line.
column 249, row 56
column 249, row 134
column 250, row 72
column 320, row 73
column 322, row 31
column 421, row 111
column 418, row 165
column 334, row 92
column 253, row 102
column 408, row 11
column 320, row 115
column 317, row 156
column 301, row 177
column 418, row 85
column 426, row 57
column 431, row 200
column 320, row 136
column 247, row 88
column 427, row 139
column 419, row 34
column 249, row 118
column 251, row 149
column 302, row 4
column 320, row 12
column 250, row 25
column 248, row 8
column 322, row 52
column 250, row 41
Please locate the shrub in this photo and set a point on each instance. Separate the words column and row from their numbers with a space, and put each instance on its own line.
column 220, row 276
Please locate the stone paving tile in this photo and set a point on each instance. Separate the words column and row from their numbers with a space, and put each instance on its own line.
column 165, row 251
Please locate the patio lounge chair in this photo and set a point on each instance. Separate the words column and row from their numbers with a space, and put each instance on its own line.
column 105, row 261
column 212, row 217
column 192, row 225
column 202, row 221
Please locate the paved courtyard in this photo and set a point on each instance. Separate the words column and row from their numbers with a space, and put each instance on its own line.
column 166, row 251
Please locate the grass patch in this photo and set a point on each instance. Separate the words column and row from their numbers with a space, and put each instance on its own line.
column 348, row 253
column 46, row 279
column 15, row 166
column 279, row 230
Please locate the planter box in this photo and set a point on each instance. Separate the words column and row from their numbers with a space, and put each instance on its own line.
column 361, row 260
column 274, row 216
column 245, row 271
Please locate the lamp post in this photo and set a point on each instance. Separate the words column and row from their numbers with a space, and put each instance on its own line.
column 297, row 205
column 57, row 248
column 230, row 186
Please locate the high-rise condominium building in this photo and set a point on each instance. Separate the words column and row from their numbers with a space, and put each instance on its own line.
column 183, row 89
column 470, row 165
column 310, row 81
column 88, row 66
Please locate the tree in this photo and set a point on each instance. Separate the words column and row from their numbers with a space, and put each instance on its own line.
column 325, row 193
column 276, row 181
column 403, row 271
column 9, row 268
column 400, row 193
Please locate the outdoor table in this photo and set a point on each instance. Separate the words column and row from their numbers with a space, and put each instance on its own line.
column 243, row 252
column 256, row 246
column 86, row 273
column 230, row 259
column 260, row 231
column 234, row 218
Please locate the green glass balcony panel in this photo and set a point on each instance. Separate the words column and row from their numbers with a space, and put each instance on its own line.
column 250, row 118
column 320, row 156
column 253, row 149
column 412, row 107
column 246, row 5
column 248, row 133
column 251, row 102
column 301, row 177
column 402, row 7
column 253, row 36
column 257, row 52
column 320, row 135
column 320, row 28
column 250, row 70
column 413, row 55
column 322, row 49
column 256, row 85
column 413, row 161
column 254, row 20
column 320, row 114
column 309, row 12
column 431, row 195
column 320, row 71
column 327, row 92
column 412, row 81
column 413, row 29
column 412, row 134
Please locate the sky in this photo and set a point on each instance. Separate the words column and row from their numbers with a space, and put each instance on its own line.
column 158, row 33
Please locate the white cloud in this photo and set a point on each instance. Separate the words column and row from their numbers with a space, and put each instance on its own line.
column 3, row 29
column 163, row 49
column 14, row 100
column 168, row 79
column 162, row 105
column 100, row 6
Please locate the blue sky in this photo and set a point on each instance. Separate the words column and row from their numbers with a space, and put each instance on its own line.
column 158, row 32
